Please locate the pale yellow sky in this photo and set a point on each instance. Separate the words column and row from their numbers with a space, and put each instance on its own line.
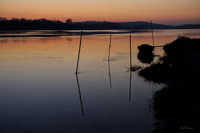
column 160, row 11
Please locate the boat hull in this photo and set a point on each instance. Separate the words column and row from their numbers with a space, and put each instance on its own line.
column 145, row 49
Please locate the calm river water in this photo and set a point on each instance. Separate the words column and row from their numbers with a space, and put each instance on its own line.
column 40, row 92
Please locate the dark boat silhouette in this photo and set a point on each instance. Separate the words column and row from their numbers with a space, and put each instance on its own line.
column 146, row 48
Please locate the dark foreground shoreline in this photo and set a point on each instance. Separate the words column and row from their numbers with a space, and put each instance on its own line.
column 176, row 107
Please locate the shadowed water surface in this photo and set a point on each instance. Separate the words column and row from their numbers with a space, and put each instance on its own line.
column 40, row 92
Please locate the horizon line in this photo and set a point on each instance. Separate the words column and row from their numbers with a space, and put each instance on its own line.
column 101, row 21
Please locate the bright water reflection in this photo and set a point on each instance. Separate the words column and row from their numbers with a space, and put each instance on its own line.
column 39, row 91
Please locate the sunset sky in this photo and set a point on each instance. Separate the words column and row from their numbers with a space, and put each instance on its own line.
column 160, row 11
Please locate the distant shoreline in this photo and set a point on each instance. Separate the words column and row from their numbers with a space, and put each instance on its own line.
column 44, row 24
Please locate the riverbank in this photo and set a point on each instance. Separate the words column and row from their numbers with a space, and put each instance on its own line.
column 182, row 59
column 176, row 106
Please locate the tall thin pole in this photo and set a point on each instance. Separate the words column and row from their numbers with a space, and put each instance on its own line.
column 130, row 55
column 152, row 32
column 109, row 47
column 79, row 54
column 130, row 72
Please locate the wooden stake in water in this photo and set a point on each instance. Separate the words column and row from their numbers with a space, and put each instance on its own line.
column 130, row 55
column 130, row 72
column 109, row 48
column 79, row 54
column 152, row 32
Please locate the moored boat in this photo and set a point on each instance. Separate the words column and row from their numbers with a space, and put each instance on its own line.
column 146, row 48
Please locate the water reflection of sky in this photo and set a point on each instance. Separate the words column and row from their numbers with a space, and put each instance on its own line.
column 39, row 90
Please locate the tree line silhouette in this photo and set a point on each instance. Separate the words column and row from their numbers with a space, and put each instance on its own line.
column 45, row 24
column 36, row 24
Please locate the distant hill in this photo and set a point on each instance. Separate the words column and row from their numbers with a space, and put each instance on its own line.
column 44, row 24
column 134, row 25
column 143, row 25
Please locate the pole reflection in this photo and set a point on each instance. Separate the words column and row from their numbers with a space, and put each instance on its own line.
column 130, row 79
column 79, row 91
column 109, row 74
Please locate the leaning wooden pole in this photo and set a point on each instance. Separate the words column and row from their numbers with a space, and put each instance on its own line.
column 79, row 54
column 152, row 32
column 130, row 71
column 109, row 48
column 130, row 55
